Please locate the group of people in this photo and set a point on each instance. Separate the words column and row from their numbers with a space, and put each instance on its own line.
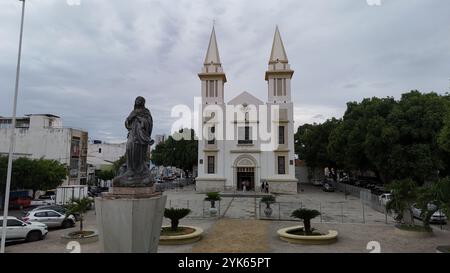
column 265, row 187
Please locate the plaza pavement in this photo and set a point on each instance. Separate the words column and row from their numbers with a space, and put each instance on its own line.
column 238, row 230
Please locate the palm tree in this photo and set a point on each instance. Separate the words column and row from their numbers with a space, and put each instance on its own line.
column 175, row 215
column 404, row 194
column 306, row 215
column 212, row 197
column 79, row 206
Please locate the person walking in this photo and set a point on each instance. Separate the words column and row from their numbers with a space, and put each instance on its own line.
column 263, row 185
column 266, row 187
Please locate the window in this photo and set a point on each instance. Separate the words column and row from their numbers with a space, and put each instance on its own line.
column 215, row 89
column 14, row 223
column 211, row 88
column 211, row 164
column 212, row 137
column 281, row 165
column 40, row 214
column 280, row 134
column 279, row 87
column 52, row 214
column 245, row 135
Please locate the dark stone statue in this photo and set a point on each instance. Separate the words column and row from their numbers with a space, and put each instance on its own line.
column 139, row 124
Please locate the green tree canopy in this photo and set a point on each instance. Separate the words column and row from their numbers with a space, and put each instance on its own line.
column 179, row 150
column 34, row 174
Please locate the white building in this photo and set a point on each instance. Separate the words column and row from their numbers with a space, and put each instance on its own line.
column 104, row 154
column 235, row 148
column 43, row 136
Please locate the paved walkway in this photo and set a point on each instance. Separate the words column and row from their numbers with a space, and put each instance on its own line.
column 235, row 236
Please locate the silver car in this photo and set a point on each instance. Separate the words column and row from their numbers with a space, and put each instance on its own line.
column 437, row 217
column 51, row 218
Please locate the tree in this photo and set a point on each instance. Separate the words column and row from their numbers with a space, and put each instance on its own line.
column 179, row 150
column 432, row 198
column 34, row 174
column 311, row 142
column 404, row 194
column 306, row 215
column 80, row 207
column 394, row 139
column 44, row 175
column 106, row 174
column 118, row 163
column 175, row 215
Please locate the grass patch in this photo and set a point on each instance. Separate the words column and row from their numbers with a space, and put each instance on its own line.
column 300, row 231
column 167, row 231
column 414, row 228
column 80, row 234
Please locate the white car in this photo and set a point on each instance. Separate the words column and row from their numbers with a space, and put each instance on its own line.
column 437, row 217
column 18, row 230
column 384, row 198
column 44, row 201
column 50, row 217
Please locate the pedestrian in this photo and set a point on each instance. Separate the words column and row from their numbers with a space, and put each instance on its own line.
column 244, row 185
column 266, row 187
column 263, row 187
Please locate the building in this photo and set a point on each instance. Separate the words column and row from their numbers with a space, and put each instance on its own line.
column 43, row 136
column 246, row 141
column 159, row 139
column 102, row 154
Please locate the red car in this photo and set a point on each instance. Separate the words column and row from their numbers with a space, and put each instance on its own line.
column 19, row 202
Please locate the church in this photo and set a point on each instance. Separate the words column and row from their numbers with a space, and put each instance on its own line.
column 246, row 142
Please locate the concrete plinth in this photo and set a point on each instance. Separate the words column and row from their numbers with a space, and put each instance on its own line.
column 130, row 221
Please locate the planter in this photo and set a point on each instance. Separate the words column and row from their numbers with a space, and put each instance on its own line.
column 413, row 232
column 268, row 211
column 443, row 249
column 182, row 239
column 329, row 238
column 88, row 236
column 212, row 211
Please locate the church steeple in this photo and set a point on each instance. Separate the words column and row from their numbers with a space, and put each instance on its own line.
column 212, row 55
column 212, row 75
column 278, row 53
column 279, row 73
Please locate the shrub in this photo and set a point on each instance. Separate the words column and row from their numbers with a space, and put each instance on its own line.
column 212, row 196
column 268, row 199
column 175, row 215
column 306, row 215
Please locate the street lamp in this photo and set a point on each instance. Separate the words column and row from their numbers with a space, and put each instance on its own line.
column 13, row 136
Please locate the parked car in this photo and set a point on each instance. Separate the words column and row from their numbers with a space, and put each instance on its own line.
column 19, row 202
column 328, row 187
column 43, row 200
column 51, row 218
column 437, row 217
column 18, row 230
column 57, row 208
column 317, row 182
column 384, row 198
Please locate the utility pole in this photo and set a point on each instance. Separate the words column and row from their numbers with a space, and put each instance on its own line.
column 13, row 137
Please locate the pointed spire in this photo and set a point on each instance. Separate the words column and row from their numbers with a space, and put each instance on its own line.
column 212, row 55
column 278, row 54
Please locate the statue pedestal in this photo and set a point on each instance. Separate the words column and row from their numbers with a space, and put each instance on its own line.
column 129, row 219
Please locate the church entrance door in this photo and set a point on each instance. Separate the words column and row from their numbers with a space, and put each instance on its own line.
column 247, row 175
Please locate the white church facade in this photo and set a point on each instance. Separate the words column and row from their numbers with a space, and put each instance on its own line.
column 246, row 141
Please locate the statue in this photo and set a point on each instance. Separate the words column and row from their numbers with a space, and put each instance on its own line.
column 139, row 124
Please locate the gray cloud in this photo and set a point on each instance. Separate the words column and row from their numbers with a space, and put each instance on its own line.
column 87, row 63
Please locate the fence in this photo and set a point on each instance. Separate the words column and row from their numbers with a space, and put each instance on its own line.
column 330, row 212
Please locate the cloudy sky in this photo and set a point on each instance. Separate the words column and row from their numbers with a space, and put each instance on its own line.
column 87, row 62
